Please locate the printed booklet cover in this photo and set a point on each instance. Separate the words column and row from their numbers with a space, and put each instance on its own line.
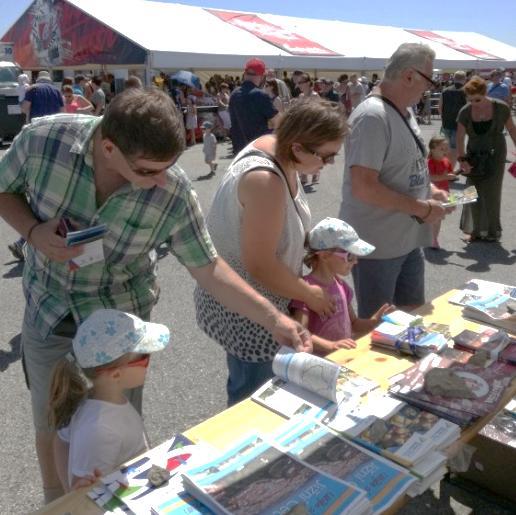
column 310, row 385
column 130, row 483
column 383, row 481
column 255, row 477
column 397, row 430
column 475, row 289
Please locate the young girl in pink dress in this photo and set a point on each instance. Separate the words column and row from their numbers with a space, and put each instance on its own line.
column 333, row 250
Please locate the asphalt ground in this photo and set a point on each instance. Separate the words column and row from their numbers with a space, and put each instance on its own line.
column 186, row 383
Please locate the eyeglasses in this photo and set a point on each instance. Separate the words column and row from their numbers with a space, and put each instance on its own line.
column 343, row 254
column 427, row 78
column 142, row 172
column 141, row 361
column 326, row 159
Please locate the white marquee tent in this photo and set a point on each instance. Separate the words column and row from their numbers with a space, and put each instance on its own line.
column 173, row 36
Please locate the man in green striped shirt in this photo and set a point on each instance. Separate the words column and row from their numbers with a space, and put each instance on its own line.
column 118, row 170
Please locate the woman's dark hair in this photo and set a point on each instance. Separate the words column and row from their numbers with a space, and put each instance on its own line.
column 273, row 83
column 144, row 123
column 311, row 123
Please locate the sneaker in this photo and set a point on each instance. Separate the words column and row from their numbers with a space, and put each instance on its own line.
column 16, row 250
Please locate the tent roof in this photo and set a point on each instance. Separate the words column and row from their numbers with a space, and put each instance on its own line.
column 178, row 35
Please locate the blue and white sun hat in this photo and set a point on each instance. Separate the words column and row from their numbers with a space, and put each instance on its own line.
column 108, row 334
column 332, row 233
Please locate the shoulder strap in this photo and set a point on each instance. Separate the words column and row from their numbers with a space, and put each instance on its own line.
column 261, row 153
column 414, row 135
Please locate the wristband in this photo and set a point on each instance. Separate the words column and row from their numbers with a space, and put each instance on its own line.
column 29, row 233
column 428, row 212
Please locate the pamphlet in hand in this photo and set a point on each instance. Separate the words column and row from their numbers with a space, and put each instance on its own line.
column 310, row 385
column 91, row 238
column 255, row 477
column 467, row 196
column 383, row 481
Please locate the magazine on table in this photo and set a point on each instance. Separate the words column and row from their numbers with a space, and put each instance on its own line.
column 476, row 289
column 310, row 385
column 489, row 340
column 498, row 309
column 105, row 500
column 397, row 430
column 415, row 340
column 130, row 483
column 486, row 387
column 402, row 318
column 257, row 477
column 383, row 481
column 508, row 355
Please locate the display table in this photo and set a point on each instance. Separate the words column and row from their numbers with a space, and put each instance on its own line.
column 228, row 426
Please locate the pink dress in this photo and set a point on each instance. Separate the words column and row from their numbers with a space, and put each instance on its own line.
column 337, row 326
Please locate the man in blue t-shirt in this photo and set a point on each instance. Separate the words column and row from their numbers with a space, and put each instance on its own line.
column 250, row 108
column 43, row 98
column 497, row 88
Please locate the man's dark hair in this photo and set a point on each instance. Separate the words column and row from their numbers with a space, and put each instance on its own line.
column 145, row 124
column 78, row 79
column 97, row 80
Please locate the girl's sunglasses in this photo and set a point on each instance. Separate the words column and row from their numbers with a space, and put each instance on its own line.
column 347, row 256
column 141, row 361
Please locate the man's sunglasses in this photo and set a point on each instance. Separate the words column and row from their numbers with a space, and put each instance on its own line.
column 434, row 83
column 142, row 172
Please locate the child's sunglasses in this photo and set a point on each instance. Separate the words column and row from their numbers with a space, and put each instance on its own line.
column 343, row 254
column 141, row 361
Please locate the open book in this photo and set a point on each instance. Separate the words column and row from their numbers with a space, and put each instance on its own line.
column 255, row 477
column 498, row 309
column 310, row 385
column 476, row 289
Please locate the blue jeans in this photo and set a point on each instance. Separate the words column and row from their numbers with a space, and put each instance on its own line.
column 399, row 281
column 245, row 378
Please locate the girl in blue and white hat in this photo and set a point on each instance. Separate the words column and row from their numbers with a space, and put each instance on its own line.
column 98, row 428
column 333, row 249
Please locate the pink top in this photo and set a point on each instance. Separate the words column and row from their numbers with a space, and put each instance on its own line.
column 71, row 107
column 338, row 326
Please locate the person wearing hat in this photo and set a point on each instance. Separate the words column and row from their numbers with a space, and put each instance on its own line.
column 42, row 98
column 98, row 428
column 497, row 87
column 250, row 108
column 209, row 146
column 333, row 249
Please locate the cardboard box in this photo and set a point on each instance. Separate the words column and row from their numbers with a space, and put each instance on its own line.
column 493, row 465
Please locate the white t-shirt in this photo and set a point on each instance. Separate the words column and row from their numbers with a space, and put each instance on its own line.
column 380, row 140
column 102, row 435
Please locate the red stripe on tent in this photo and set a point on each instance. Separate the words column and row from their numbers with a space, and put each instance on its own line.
column 289, row 41
column 465, row 49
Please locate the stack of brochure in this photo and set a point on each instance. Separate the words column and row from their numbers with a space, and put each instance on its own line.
column 498, row 309
column 487, row 386
column 491, row 341
column 309, row 385
column 402, row 433
column 257, row 477
column 416, row 340
column 382, row 480
column 476, row 289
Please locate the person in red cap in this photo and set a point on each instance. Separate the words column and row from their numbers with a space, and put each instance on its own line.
column 250, row 108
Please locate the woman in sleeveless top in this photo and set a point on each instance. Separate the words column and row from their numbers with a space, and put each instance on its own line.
column 483, row 119
column 258, row 222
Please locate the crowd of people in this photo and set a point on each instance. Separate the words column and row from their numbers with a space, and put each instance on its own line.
column 247, row 257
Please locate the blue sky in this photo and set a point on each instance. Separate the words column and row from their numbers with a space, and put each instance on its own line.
column 497, row 20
